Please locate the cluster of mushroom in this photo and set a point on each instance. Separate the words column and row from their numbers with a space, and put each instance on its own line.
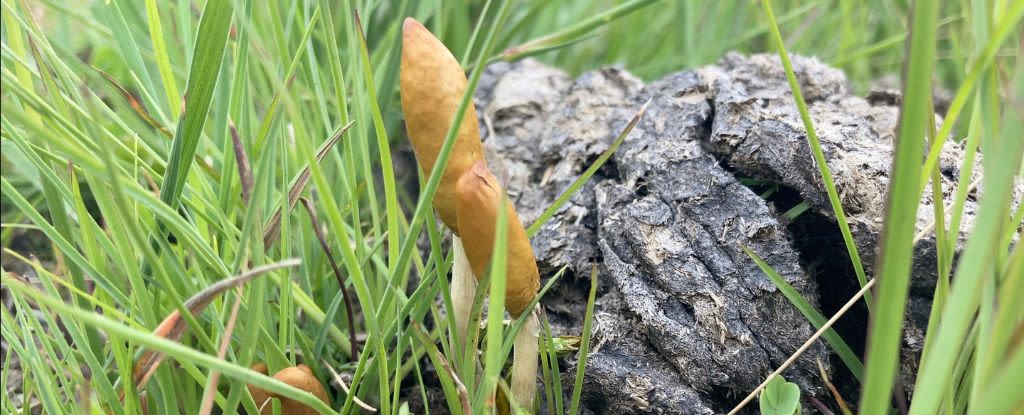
column 468, row 198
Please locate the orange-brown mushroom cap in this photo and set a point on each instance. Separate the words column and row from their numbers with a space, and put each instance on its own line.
column 478, row 197
column 300, row 377
column 432, row 84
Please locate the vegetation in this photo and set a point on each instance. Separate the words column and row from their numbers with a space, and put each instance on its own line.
column 161, row 147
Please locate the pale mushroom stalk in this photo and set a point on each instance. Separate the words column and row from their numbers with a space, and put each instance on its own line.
column 463, row 291
column 524, row 361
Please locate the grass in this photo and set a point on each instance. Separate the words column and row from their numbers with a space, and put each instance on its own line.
column 135, row 183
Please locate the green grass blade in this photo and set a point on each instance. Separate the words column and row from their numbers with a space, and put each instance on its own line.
column 580, row 181
column 839, row 346
column 573, row 33
column 1002, row 163
column 896, row 247
column 383, row 149
column 1010, row 21
column 815, row 144
column 163, row 61
column 555, row 388
column 208, row 57
column 581, row 365
column 493, row 361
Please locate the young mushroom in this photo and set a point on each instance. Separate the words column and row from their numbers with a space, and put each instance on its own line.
column 432, row 84
column 300, row 377
column 478, row 198
column 468, row 197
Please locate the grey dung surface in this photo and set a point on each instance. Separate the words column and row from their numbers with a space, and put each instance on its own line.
column 685, row 321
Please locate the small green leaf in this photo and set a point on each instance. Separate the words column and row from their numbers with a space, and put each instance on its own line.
column 780, row 398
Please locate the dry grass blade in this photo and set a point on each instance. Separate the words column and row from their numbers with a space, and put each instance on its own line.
column 134, row 103
column 274, row 227
column 344, row 387
column 459, row 386
column 805, row 346
column 835, row 393
column 173, row 327
column 211, row 391
column 144, row 114
column 345, row 294
column 244, row 171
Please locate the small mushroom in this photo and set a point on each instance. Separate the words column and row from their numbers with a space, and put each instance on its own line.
column 300, row 377
column 478, row 198
column 432, row 84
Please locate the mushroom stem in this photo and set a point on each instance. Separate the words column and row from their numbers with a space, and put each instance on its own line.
column 524, row 362
column 463, row 292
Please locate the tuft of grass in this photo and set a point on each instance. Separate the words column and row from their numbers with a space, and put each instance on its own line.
column 969, row 306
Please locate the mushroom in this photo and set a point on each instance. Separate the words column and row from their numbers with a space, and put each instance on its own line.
column 300, row 377
column 478, row 198
column 468, row 197
column 432, row 84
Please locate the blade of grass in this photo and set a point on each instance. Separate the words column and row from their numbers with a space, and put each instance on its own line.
column 810, row 313
column 815, row 144
column 895, row 250
column 555, row 387
column 581, row 365
column 998, row 397
column 383, row 149
column 163, row 62
column 210, row 44
column 456, row 396
column 578, row 184
column 807, row 344
column 211, row 385
column 345, row 295
column 273, row 230
column 1007, row 25
column 572, row 33
column 1001, row 163
column 493, row 361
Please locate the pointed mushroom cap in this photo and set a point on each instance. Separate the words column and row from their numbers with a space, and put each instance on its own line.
column 432, row 84
column 478, row 197
column 300, row 377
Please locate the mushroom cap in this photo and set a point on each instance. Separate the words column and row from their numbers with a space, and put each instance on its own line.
column 301, row 377
column 432, row 84
column 259, row 395
column 478, row 197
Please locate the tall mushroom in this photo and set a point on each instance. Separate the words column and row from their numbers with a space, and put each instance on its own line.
column 468, row 198
column 478, row 198
column 432, row 84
